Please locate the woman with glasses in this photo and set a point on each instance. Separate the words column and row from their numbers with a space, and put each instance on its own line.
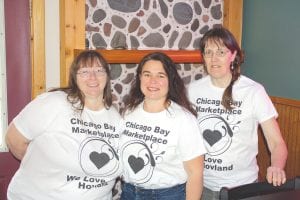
column 66, row 139
column 230, row 106
column 161, row 148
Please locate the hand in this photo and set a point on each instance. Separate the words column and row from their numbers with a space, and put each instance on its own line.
column 275, row 176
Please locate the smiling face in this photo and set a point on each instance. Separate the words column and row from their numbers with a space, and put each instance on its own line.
column 92, row 79
column 154, row 82
column 218, row 59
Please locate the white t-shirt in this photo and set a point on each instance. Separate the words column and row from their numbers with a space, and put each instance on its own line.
column 70, row 156
column 153, row 146
column 230, row 137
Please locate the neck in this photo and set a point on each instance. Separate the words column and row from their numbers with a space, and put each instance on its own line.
column 94, row 104
column 221, row 82
column 154, row 106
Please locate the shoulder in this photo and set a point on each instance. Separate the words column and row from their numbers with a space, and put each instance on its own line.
column 245, row 82
column 113, row 111
column 250, row 89
column 198, row 83
column 180, row 112
column 52, row 98
column 52, row 95
column 136, row 111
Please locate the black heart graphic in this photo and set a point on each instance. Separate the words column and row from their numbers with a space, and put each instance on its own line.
column 136, row 164
column 212, row 137
column 99, row 159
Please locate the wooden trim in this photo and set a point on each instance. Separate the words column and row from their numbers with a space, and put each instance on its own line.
column 62, row 54
column 72, row 34
column 233, row 17
column 289, row 123
column 37, row 47
column 135, row 56
column 285, row 101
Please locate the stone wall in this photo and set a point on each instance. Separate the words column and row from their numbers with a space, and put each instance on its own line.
column 149, row 24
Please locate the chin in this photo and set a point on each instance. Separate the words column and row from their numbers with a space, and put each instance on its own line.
column 93, row 95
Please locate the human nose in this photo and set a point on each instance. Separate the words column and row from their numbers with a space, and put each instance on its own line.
column 214, row 56
column 153, row 79
column 92, row 74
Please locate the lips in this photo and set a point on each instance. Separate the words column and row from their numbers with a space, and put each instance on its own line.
column 93, row 85
column 152, row 89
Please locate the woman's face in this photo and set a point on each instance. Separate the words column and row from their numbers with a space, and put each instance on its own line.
column 91, row 80
column 154, row 81
column 218, row 59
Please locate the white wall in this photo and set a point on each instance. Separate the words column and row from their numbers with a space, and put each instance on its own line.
column 52, row 43
column 3, row 104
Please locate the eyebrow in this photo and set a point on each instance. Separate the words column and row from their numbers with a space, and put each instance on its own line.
column 155, row 74
column 217, row 48
column 146, row 71
column 90, row 67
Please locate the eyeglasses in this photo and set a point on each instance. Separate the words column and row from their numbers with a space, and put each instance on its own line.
column 208, row 53
column 85, row 72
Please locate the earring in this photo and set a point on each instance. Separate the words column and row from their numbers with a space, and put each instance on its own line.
column 231, row 66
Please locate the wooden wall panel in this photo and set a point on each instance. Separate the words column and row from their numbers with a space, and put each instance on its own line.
column 233, row 17
column 37, row 46
column 72, row 34
column 289, row 122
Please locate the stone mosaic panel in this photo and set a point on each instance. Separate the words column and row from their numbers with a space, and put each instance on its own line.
column 149, row 24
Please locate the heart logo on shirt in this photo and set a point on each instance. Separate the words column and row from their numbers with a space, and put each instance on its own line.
column 99, row 159
column 136, row 164
column 212, row 137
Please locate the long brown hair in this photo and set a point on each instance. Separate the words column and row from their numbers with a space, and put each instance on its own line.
column 177, row 91
column 221, row 35
column 74, row 94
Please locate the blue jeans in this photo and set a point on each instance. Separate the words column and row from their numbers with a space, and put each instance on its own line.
column 131, row 192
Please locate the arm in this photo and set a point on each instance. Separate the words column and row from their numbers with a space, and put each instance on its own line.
column 194, row 185
column 278, row 149
column 16, row 142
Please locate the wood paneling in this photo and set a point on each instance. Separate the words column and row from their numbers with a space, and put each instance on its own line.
column 135, row 56
column 72, row 34
column 233, row 17
column 37, row 46
column 289, row 122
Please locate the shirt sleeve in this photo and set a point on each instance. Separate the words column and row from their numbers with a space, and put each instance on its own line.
column 263, row 106
column 190, row 139
column 36, row 116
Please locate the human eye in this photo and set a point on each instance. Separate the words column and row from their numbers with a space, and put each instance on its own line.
column 161, row 75
column 83, row 71
column 99, row 70
column 221, row 52
column 207, row 52
column 146, row 74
